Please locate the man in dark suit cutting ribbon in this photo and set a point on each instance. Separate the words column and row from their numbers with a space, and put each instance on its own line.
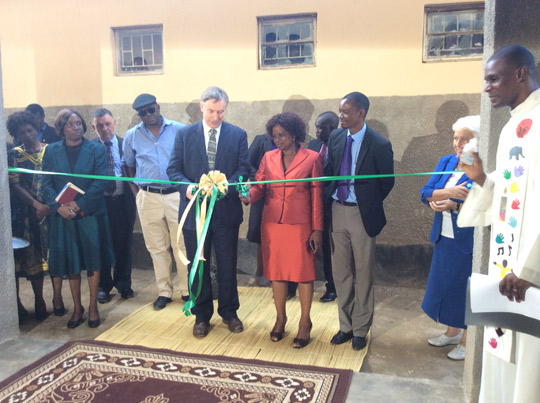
column 213, row 144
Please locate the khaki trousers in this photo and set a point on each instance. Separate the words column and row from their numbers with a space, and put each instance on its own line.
column 353, row 262
column 159, row 221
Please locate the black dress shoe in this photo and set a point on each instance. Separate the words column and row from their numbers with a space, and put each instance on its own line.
column 59, row 311
column 126, row 294
column 234, row 324
column 328, row 296
column 185, row 298
column 161, row 302
column 201, row 329
column 103, row 297
column 94, row 323
column 358, row 342
column 75, row 323
column 341, row 337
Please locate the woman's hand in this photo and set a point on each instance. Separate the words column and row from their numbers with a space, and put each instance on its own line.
column 511, row 286
column 443, row 205
column 245, row 200
column 459, row 192
column 316, row 238
column 67, row 212
column 42, row 210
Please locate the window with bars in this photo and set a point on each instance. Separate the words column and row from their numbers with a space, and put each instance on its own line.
column 453, row 33
column 287, row 41
column 139, row 50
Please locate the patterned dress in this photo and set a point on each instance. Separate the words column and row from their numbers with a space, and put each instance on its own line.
column 30, row 262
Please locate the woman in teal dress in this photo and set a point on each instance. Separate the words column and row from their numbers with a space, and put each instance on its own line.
column 80, row 237
column 29, row 213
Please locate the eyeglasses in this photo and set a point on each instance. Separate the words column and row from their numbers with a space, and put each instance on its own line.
column 142, row 113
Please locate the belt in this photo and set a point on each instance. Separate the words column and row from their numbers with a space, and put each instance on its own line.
column 163, row 191
column 348, row 204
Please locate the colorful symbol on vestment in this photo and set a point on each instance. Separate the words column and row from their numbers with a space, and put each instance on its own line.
column 502, row 210
column 507, row 174
column 515, row 204
column 514, row 187
column 493, row 342
column 523, row 128
column 512, row 222
column 499, row 238
column 518, row 171
column 516, row 152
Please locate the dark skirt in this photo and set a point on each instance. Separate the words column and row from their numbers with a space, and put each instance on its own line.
column 79, row 244
column 444, row 300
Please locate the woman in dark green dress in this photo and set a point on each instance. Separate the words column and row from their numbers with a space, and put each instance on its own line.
column 28, row 210
column 80, row 237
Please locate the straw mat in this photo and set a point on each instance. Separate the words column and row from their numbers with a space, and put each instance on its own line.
column 171, row 329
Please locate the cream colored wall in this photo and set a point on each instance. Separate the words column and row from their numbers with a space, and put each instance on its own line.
column 60, row 52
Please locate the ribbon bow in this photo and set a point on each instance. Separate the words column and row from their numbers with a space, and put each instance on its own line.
column 213, row 185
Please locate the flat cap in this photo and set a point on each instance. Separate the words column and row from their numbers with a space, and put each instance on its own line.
column 143, row 100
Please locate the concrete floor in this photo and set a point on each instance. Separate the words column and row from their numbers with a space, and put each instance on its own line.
column 400, row 365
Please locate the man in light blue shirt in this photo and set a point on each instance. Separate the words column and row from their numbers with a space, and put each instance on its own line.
column 147, row 150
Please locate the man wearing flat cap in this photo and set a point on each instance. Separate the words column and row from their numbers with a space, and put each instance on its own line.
column 147, row 150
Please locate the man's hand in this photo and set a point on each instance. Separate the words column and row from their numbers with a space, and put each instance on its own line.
column 443, row 205
column 189, row 192
column 513, row 287
column 476, row 170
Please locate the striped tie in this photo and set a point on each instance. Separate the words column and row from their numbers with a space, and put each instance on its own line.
column 212, row 147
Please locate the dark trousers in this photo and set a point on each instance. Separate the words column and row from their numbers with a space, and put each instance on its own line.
column 225, row 241
column 122, row 233
column 327, row 254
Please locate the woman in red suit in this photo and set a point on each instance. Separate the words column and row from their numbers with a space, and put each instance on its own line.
column 292, row 222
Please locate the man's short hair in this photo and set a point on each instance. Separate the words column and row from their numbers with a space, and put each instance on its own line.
column 359, row 100
column 214, row 93
column 98, row 113
column 331, row 118
column 517, row 56
column 35, row 108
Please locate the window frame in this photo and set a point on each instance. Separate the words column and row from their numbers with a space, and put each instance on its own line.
column 286, row 19
column 449, row 8
column 120, row 32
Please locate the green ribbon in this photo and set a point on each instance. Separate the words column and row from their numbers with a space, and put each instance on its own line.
column 240, row 186
column 240, row 182
column 199, row 265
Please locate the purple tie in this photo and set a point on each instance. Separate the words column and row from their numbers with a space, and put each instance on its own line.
column 345, row 170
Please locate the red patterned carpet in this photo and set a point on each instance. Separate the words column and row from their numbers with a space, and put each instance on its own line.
column 92, row 371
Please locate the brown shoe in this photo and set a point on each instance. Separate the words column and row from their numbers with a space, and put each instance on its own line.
column 201, row 329
column 234, row 324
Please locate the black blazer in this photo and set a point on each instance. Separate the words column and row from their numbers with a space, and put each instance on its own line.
column 315, row 145
column 261, row 144
column 375, row 157
column 189, row 162
column 129, row 197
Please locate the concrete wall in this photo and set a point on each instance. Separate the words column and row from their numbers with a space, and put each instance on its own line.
column 8, row 301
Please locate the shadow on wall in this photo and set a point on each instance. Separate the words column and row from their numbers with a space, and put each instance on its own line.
column 302, row 107
column 194, row 111
column 422, row 155
column 379, row 127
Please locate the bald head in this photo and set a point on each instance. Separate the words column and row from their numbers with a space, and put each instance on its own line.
column 510, row 76
column 517, row 56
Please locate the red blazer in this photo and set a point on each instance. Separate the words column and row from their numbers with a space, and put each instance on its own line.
column 291, row 203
